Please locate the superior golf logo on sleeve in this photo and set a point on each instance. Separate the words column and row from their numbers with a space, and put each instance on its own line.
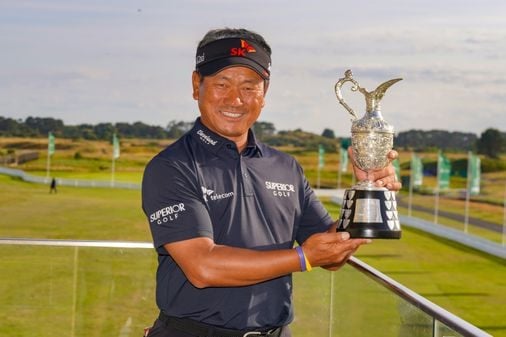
column 166, row 214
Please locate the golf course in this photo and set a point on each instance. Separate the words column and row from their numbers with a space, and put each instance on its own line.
column 89, row 291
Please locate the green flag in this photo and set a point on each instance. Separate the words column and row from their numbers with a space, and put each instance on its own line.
column 343, row 153
column 115, row 146
column 321, row 154
column 443, row 171
column 416, row 170
column 343, row 162
column 50, row 144
column 345, row 143
column 474, row 174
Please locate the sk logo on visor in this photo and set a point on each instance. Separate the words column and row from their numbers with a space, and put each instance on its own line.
column 245, row 48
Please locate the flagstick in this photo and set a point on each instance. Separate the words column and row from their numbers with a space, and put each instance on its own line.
column 318, row 179
column 339, row 169
column 48, row 164
column 411, row 177
column 436, row 206
column 338, row 178
column 112, row 170
column 436, row 201
column 468, row 194
column 504, row 219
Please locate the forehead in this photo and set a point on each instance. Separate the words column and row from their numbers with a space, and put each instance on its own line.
column 237, row 73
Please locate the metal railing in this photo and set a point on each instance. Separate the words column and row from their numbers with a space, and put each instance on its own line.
column 68, row 182
column 437, row 313
column 117, row 278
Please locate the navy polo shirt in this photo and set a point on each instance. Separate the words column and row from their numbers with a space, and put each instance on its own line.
column 200, row 186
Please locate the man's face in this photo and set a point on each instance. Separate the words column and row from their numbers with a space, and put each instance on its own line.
column 230, row 101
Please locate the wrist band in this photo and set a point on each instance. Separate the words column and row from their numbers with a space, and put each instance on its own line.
column 308, row 265
column 302, row 258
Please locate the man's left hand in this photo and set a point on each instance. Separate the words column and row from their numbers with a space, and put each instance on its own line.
column 384, row 177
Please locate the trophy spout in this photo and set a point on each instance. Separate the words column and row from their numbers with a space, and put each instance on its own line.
column 373, row 99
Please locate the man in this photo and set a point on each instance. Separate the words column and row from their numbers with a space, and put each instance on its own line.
column 52, row 187
column 225, row 210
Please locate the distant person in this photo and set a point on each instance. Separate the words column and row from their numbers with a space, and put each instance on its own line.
column 53, row 186
column 225, row 209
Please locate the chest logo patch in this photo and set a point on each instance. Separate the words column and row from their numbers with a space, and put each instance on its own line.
column 212, row 195
column 280, row 189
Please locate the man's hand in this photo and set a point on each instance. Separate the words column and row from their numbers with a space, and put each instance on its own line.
column 331, row 250
column 384, row 177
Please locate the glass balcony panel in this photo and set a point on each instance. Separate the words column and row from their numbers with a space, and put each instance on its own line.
column 360, row 307
column 441, row 330
column 76, row 291
column 101, row 292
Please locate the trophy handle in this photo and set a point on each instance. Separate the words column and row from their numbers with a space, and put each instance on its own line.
column 348, row 77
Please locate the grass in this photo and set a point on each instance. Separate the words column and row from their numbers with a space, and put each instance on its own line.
column 463, row 281
column 28, row 210
column 39, row 280
column 70, row 291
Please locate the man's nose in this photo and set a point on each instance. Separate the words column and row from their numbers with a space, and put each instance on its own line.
column 234, row 96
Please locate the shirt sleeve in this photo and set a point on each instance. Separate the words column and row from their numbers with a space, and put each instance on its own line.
column 173, row 203
column 315, row 218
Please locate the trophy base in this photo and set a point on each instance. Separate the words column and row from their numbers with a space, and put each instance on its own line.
column 361, row 232
column 370, row 213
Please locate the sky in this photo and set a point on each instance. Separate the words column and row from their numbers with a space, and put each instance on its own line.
column 126, row 61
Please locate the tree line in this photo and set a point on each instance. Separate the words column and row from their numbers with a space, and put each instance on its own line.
column 491, row 142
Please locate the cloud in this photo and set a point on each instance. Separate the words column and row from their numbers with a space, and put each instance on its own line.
column 107, row 61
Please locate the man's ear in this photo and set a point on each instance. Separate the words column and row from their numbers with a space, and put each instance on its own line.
column 195, row 85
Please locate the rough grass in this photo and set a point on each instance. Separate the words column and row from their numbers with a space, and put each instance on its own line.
column 115, row 287
column 39, row 281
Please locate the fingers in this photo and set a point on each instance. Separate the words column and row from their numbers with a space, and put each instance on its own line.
column 385, row 177
column 392, row 155
column 331, row 248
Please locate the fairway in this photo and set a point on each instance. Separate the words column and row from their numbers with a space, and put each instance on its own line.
column 465, row 282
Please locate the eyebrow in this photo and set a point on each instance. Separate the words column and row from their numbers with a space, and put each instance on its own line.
column 247, row 80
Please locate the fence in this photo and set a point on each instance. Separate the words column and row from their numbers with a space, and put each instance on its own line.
column 67, row 182
column 106, row 288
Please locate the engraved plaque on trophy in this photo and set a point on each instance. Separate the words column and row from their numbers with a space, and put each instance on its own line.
column 369, row 211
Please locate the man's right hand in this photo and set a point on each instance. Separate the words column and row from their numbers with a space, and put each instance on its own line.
column 331, row 250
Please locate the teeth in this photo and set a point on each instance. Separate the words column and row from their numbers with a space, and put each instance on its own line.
column 231, row 114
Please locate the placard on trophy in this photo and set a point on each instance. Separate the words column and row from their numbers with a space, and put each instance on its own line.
column 369, row 211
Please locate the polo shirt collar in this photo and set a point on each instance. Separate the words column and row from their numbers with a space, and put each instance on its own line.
column 218, row 144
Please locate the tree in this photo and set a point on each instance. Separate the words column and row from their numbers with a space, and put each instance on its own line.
column 45, row 125
column 328, row 133
column 264, row 129
column 490, row 143
column 177, row 129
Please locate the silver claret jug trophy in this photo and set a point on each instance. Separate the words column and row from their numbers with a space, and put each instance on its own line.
column 369, row 211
